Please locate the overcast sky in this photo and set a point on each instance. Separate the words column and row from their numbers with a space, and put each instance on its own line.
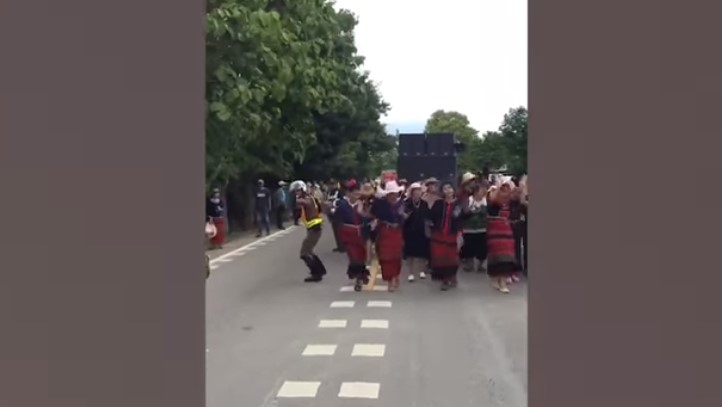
column 464, row 55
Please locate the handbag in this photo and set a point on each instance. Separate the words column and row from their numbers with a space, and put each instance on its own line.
column 211, row 230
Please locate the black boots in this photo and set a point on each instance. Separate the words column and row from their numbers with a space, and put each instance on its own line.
column 316, row 267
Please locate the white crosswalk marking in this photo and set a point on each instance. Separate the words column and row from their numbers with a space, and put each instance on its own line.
column 375, row 323
column 319, row 350
column 298, row 389
column 332, row 323
column 368, row 350
column 359, row 390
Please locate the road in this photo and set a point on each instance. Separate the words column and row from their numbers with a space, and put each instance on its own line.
column 275, row 341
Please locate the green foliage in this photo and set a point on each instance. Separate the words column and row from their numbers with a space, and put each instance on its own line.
column 284, row 92
column 494, row 149
column 514, row 130
column 454, row 122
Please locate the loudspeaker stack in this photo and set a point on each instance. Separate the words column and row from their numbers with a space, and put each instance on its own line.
column 423, row 156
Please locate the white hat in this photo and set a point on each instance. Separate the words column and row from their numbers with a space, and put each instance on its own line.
column 392, row 187
column 298, row 186
column 468, row 176
column 415, row 185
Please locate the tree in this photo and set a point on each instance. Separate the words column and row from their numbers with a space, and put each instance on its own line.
column 490, row 152
column 494, row 149
column 457, row 123
column 284, row 92
column 514, row 130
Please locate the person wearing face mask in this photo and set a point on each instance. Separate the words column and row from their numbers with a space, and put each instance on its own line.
column 215, row 213
column 445, row 232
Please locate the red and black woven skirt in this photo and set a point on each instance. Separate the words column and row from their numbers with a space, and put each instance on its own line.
column 350, row 236
column 501, row 258
column 389, row 247
column 444, row 255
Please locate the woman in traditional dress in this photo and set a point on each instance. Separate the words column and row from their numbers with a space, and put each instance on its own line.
column 390, row 216
column 368, row 192
column 501, row 260
column 215, row 212
column 445, row 233
column 416, row 241
column 431, row 192
column 466, row 186
column 475, row 219
column 348, row 211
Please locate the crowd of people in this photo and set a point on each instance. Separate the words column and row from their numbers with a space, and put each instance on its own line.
column 428, row 227
column 431, row 227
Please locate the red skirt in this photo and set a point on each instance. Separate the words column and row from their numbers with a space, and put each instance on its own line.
column 444, row 250
column 501, row 259
column 389, row 246
column 220, row 236
column 355, row 244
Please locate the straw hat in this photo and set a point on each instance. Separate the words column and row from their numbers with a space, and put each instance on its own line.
column 415, row 185
column 431, row 180
column 467, row 177
column 367, row 189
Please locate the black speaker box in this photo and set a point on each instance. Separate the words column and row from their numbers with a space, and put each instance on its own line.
column 412, row 145
column 441, row 144
column 419, row 168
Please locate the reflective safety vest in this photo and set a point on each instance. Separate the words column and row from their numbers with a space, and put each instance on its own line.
column 315, row 221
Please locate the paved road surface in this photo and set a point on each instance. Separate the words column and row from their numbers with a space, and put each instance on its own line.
column 276, row 341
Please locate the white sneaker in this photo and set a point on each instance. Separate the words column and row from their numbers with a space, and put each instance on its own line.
column 422, row 275
column 411, row 278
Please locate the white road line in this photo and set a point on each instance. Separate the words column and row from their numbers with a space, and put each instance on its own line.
column 225, row 260
column 319, row 350
column 379, row 304
column 342, row 304
column 369, row 350
column 346, row 289
column 245, row 247
column 381, row 288
column 359, row 390
column 214, row 266
column 298, row 389
column 375, row 323
column 332, row 323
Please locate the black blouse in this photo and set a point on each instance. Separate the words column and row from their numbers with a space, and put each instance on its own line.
column 416, row 222
column 445, row 216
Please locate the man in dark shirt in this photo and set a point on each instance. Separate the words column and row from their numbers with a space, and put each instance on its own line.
column 263, row 207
